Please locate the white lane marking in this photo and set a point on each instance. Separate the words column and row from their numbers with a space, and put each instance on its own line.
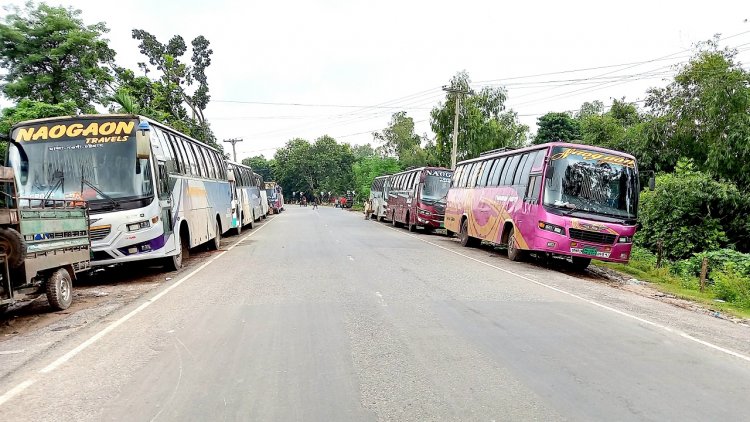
column 380, row 299
column 351, row 258
column 592, row 302
column 16, row 390
column 11, row 352
column 67, row 356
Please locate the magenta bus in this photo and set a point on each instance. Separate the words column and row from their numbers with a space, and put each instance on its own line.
column 416, row 197
column 561, row 199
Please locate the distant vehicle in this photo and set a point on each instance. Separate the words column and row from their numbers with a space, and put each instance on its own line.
column 560, row 199
column 246, row 202
column 275, row 197
column 416, row 198
column 153, row 192
column 44, row 243
column 378, row 203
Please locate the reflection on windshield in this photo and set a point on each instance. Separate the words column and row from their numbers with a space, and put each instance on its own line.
column 592, row 182
column 436, row 187
column 67, row 169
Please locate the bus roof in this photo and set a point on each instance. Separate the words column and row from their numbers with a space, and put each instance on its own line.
column 115, row 115
column 543, row 146
column 420, row 169
column 239, row 164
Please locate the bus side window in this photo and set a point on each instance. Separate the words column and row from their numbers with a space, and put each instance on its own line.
column 180, row 163
column 494, row 179
column 539, row 160
column 163, row 175
column 486, row 173
column 525, row 170
column 519, row 169
column 509, row 171
column 456, row 176
column 202, row 169
column 533, row 189
column 474, row 175
column 465, row 175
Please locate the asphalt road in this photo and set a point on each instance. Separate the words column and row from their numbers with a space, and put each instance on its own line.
column 319, row 315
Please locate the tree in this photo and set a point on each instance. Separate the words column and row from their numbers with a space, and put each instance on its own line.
column 363, row 151
column 324, row 165
column 179, row 84
column 260, row 165
column 556, row 127
column 484, row 124
column 706, row 111
column 51, row 56
column 29, row 110
column 367, row 169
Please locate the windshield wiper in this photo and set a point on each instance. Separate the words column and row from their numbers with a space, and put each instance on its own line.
column 114, row 202
column 60, row 175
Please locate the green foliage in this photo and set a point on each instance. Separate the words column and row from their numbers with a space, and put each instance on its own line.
column 732, row 285
column 691, row 212
column 706, row 113
column 311, row 168
column 29, row 110
column 51, row 56
column 260, row 165
column 718, row 260
column 557, row 127
column 484, row 124
column 399, row 141
column 367, row 169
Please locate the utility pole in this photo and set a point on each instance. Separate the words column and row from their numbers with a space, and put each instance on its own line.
column 459, row 94
column 233, row 142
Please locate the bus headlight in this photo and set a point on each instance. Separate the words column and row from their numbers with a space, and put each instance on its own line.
column 625, row 239
column 139, row 225
column 423, row 212
column 551, row 228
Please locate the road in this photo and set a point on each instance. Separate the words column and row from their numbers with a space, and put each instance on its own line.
column 319, row 315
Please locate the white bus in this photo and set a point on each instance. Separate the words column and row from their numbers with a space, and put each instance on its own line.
column 246, row 205
column 378, row 203
column 152, row 191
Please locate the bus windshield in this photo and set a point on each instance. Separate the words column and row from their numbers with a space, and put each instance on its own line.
column 92, row 168
column 436, row 185
column 593, row 182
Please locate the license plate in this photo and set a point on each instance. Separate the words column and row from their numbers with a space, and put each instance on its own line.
column 590, row 251
column 442, row 225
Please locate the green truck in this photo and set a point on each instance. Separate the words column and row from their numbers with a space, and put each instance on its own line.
column 44, row 244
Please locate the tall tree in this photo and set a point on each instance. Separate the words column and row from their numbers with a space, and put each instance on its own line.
column 484, row 124
column 29, row 110
column 556, row 127
column 707, row 113
column 401, row 142
column 51, row 56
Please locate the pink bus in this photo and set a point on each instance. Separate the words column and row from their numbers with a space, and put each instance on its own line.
column 559, row 199
column 416, row 197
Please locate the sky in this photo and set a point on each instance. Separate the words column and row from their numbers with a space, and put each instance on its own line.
column 287, row 69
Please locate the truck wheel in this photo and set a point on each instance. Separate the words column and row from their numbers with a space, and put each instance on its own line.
column 60, row 290
column 13, row 246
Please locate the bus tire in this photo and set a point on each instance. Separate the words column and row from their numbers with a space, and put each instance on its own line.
column 175, row 262
column 463, row 236
column 13, row 246
column 252, row 221
column 215, row 243
column 514, row 253
column 580, row 263
column 60, row 290
column 238, row 229
column 412, row 227
column 393, row 220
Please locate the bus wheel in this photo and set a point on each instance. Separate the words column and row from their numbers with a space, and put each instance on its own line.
column 238, row 229
column 60, row 290
column 580, row 264
column 514, row 253
column 393, row 220
column 252, row 221
column 215, row 244
column 412, row 227
column 174, row 262
column 464, row 238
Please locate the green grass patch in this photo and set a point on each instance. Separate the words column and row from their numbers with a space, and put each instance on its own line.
column 729, row 286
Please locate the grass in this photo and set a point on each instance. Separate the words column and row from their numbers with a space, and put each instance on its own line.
column 682, row 287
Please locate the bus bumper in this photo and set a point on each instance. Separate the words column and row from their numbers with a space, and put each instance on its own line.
column 558, row 245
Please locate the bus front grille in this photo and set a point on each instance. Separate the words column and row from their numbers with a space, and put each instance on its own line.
column 593, row 237
column 99, row 233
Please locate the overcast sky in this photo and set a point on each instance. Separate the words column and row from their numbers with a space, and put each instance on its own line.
column 397, row 54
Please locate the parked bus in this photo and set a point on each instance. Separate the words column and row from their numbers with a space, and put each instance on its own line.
column 378, row 203
column 417, row 197
column 246, row 203
column 264, row 202
column 560, row 199
column 275, row 197
column 152, row 191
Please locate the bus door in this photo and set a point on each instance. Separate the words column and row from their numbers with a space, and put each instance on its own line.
column 165, row 204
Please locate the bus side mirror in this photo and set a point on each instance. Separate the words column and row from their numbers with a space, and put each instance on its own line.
column 142, row 140
column 651, row 183
column 24, row 164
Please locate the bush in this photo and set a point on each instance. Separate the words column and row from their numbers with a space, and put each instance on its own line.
column 732, row 286
column 718, row 260
column 690, row 212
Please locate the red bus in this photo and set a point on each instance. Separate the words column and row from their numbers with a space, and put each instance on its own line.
column 561, row 199
column 416, row 198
